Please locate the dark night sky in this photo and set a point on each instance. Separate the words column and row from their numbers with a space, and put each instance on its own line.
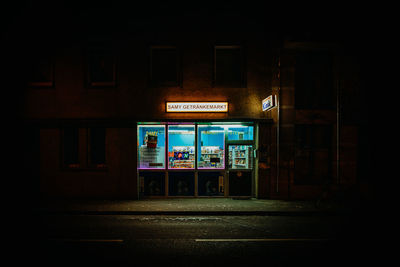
column 325, row 20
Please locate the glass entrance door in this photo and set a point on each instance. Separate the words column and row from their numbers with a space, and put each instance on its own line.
column 240, row 163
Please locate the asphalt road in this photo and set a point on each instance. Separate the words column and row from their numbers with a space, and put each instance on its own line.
column 66, row 240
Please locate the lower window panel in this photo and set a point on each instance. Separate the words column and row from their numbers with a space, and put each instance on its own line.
column 152, row 183
column 210, row 184
column 181, row 183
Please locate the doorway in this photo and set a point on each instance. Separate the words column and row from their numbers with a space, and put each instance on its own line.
column 240, row 169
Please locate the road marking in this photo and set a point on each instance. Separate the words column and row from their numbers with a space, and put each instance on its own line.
column 260, row 239
column 87, row 240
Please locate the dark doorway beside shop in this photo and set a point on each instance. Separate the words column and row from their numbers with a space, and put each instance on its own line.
column 181, row 183
column 240, row 183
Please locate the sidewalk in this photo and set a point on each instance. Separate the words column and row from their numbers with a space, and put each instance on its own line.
column 187, row 206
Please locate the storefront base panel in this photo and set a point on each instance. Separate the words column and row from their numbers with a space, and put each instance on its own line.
column 172, row 184
column 195, row 184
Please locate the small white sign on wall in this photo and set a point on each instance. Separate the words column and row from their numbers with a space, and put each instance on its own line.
column 269, row 103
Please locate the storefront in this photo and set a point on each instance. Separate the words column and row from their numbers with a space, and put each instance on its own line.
column 196, row 159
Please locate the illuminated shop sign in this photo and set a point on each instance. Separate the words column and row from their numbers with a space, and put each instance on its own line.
column 196, row 106
column 269, row 103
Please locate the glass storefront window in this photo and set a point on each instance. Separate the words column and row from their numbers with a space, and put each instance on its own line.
column 210, row 147
column 240, row 156
column 211, row 143
column 151, row 146
column 240, row 132
column 181, row 147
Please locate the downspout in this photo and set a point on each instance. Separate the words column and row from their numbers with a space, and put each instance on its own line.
column 337, row 132
column 278, row 123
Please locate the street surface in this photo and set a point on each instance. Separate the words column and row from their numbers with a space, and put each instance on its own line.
column 135, row 240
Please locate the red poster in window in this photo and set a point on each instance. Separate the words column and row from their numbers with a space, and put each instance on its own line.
column 152, row 141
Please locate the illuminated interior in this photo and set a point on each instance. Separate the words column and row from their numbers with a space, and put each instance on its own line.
column 181, row 147
column 151, row 146
column 184, row 152
column 240, row 156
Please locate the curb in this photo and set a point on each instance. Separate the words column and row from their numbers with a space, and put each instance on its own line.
column 198, row 213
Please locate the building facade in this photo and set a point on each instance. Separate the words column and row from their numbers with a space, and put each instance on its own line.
column 95, row 108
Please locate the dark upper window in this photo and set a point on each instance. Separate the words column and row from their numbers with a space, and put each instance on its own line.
column 314, row 81
column 229, row 66
column 41, row 71
column 101, row 65
column 84, row 147
column 164, row 66
column 97, row 147
column 71, row 147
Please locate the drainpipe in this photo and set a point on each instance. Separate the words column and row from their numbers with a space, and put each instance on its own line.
column 278, row 122
column 337, row 131
column 277, row 143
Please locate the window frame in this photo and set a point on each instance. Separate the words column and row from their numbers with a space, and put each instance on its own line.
column 84, row 150
column 243, row 72
column 138, row 148
column 106, row 51
column 72, row 165
column 90, row 163
column 155, row 83
column 194, row 146
column 314, row 104
column 43, row 84
column 199, row 148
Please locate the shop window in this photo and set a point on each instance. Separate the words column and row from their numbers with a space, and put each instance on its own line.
column 313, row 151
column 164, row 66
column 240, row 157
column 181, row 183
column 71, row 147
column 229, row 66
column 84, row 148
column 101, row 67
column 314, row 81
column 211, row 146
column 151, row 147
column 181, row 147
column 240, row 132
